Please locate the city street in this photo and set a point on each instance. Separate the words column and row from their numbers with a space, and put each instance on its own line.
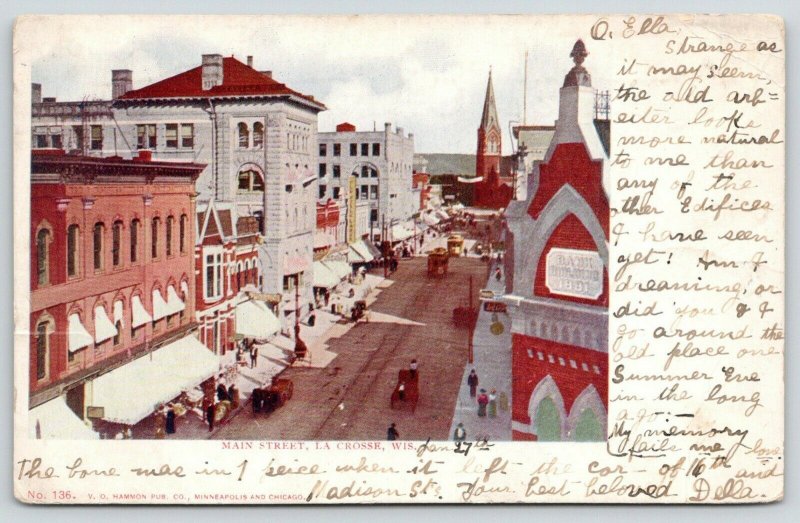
column 349, row 399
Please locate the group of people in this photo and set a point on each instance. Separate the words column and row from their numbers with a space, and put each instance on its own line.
column 487, row 403
column 229, row 395
column 250, row 347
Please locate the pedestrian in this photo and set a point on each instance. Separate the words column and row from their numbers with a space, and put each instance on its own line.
column 253, row 356
column 472, row 381
column 171, row 421
column 460, row 434
column 239, row 355
column 412, row 369
column 160, row 424
column 498, row 274
column 233, row 396
column 222, row 392
column 391, row 433
column 493, row 404
column 401, row 391
column 209, row 406
column 483, row 400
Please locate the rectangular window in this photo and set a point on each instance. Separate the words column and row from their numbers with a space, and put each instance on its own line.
column 187, row 136
column 373, row 173
column 171, row 136
column 209, row 276
column 41, row 351
column 135, row 331
column 353, row 149
column 213, row 272
column 335, row 193
column 337, row 171
column 364, row 149
column 364, row 192
column 323, row 170
column 98, row 246
column 373, row 192
column 337, row 149
column 97, row 137
column 72, row 250
column 323, row 189
column 77, row 132
column 146, row 136
column 373, row 215
column 323, row 149
column 116, row 240
column 154, row 225
column 364, row 171
column 40, row 141
column 134, row 241
column 57, row 141
column 376, row 149
column 182, row 234
column 168, row 235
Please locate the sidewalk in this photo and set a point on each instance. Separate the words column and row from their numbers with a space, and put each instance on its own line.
column 492, row 362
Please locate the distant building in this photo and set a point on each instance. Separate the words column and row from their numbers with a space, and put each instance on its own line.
column 112, row 279
column 380, row 161
column 493, row 187
column 557, row 276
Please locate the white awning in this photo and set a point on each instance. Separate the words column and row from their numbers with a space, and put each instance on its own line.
column 341, row 269
column 132, row 392
column 174, row 303
column 323, row 240
column 400, row 233
column 361, row 250
column 472, row 179
column 103, row 326
column 255, row 320
column 324, row 276
column 294, row 265
column 442, row 215
column 55, row 420
column 140, row 315
column 118, row 317
column 185, row 287
column 160, row 308
column 430, row 218
column 78, row 336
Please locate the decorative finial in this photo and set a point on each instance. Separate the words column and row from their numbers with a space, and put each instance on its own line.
column 579, row 52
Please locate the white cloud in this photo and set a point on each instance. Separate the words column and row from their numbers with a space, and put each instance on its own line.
column 426, row 74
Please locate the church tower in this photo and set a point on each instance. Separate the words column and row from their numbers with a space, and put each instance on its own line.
column 489, row 137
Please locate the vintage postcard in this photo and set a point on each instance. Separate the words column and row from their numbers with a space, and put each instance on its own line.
column 399, row 259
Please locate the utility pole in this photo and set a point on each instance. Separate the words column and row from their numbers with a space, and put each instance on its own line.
column 386, row 246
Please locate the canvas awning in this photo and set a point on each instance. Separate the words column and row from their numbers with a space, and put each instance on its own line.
column 133, row 391
column 78, row 336
column 400, row 233
column 185, row 288
column 255, row 320
column 174, row 303
column 324, row 276
column 104, row 328
column 430, row 219
column 323, row 240
column 140, row 314
column 294, row 265
column 55, row 420
column 373, row 250
column 160, row 308
column 118, row 316
column 362, row 250
column 341, row 269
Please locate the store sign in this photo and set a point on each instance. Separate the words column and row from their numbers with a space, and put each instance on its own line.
column 494, row 306
column 575, row 273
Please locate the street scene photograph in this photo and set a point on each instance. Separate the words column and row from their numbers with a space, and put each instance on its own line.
column 319, row 231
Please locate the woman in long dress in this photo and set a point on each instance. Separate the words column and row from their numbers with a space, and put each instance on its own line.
column 493, row 404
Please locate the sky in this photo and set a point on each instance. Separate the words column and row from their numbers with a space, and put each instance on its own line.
column 425, row 74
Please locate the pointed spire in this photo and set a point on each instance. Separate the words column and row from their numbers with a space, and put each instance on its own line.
column 489, row 117
column 578, row 75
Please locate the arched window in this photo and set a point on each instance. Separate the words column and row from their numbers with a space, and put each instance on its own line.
column 258, row 135
column 73, row 232
column 250, row 180
column 116, row 243
column 154, row 226
column 588, row 427
column 244, row 136
column 97, row 237
column 43, row 330
column 134, row 240
column 548, row 421
column 182, row 233
column 168, row 238
column 43, row 238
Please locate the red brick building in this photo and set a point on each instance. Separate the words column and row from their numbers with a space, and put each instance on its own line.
column 112, row 264
column 494, row 190
column 557, row 277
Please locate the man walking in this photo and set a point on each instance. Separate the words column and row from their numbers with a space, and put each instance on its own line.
column 253, row 356
column 391, row 433
column 472, row 381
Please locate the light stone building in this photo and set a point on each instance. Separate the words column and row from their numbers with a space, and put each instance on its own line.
column 381, row 162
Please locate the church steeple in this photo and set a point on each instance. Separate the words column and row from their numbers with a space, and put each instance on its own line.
column 489, row 118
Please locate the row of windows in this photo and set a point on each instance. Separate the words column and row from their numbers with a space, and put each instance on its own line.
column 43, row 140
column 365, row 192
column 44, row 238
column 354, row 149
column 213, row 290
column 247, row 139
column 336, row 171
column 176, row 136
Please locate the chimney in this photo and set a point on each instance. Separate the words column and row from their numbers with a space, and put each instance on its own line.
column 212, row 71
column 250, row 60
column 387, row 127
column 36, row 93
column 268, row 74
column 400, row 131
column 121, row 82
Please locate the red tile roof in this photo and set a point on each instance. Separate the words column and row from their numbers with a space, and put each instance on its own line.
column 237, row 80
